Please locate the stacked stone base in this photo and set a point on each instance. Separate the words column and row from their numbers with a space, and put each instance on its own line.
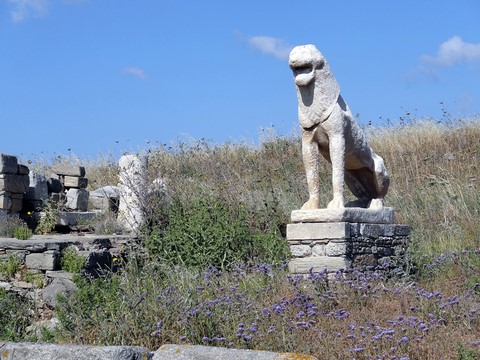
column 318, row 242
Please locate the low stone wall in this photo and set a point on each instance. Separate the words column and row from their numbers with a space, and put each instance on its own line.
column 41, row 256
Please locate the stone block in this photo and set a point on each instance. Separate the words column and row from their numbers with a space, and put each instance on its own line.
column 77, row 199
column 354, row 229
column 75, row 217
column 371, row 230
column 402, row 230
column 318, row 231
column 39, row 351
column 14, row 183
column 17, row 205
column 318, row 264
column 57, row 286
column 106, row 198
column 383, row 215
column 103, row 203
column 191, row 352
column 38, row 189
column 48, row 260
column 8, row 164
column 60, row 274
column 319, row 250
column 336, row 248
column 75, row 182
column 389, row 230
column 68, row 169
column 300, row 250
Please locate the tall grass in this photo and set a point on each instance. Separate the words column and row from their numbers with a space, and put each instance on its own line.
column 432, row 313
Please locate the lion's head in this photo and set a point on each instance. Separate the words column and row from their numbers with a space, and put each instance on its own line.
column 317, row 88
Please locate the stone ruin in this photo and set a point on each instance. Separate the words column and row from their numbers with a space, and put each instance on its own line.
column 14, row 183
column 341, row 236
column 26, row 193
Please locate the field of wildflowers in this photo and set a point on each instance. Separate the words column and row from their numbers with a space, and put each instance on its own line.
column 247, row 299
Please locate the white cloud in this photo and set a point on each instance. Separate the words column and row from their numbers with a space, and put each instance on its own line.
column 24, row 9
column 134, row 71
column 271, row 46
column 451, row 52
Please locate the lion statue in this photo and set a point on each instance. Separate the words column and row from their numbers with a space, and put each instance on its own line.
column 329, row 129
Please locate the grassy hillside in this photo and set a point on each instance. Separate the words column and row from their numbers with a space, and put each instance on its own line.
column 232, row 202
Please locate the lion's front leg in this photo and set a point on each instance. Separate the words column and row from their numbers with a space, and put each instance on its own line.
column 311, row 162
column 337, row 157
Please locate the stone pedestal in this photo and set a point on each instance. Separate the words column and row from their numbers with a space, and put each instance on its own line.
column 346, row 238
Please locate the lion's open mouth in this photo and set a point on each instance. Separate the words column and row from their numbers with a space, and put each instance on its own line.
column 304, row 74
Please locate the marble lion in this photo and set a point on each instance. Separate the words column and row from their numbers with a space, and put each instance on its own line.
column 329, row 128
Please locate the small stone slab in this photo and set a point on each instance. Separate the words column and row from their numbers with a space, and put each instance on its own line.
column 318, row 231
column 318, row 264
column 75, row 182
column 48, row 260
column 68, row 169
column 195, row 352
column 383, row 215
column 75, row 217
column 22, row 351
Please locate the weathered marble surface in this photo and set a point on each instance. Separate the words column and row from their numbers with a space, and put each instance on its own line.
column 329, row 129
column 384, row 215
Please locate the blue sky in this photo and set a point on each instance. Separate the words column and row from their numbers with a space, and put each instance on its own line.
column 91, row 77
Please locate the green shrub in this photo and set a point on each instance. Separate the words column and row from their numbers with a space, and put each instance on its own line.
column 204, row 232
column 22, row 232
column 14, row 317
column 37, row 280
column 71, row 261
column 207, row 231
column 10, row 266
column 49, row 218
column 8, row 224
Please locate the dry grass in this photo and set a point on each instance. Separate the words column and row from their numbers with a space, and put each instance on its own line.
column 431, row 314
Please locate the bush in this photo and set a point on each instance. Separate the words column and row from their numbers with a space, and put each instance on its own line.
column 22, row 232
column 207, row 232
column 49, row 218
column 14, row 317
column 71, row 261
column 10, row 266
column 9, row 224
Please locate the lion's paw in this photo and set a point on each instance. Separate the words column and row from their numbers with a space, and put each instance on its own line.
column 312, row 203
column 336, row 203
column 376, row 204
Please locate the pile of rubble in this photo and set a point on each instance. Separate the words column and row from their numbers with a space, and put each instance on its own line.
column 74, row 183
